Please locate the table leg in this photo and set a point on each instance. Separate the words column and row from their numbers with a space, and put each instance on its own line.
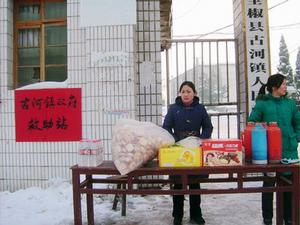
column 239, row 179
column 76, row 197
column 184, row 180
column 90, row 201
column 116, row 198
column 124, row 201
column 296, row 197
column 279, row 203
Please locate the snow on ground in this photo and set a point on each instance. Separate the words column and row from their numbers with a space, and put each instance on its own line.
column 53, row 206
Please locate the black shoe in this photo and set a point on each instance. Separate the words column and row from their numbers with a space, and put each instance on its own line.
column 288, row 222
column 177, row 221
column 198, row 220
column 268, row 221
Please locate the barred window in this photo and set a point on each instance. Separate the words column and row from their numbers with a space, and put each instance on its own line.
column 40, row 37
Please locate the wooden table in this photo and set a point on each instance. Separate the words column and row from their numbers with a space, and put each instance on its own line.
column 233, row 174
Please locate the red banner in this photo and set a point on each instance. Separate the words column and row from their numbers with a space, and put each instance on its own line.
column 48, row 114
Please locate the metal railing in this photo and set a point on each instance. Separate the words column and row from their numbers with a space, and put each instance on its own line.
column 212, row 65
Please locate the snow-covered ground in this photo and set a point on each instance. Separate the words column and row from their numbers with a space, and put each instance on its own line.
column 53, row 206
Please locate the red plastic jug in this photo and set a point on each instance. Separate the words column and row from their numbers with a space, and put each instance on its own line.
column 274, row 143
column 246, row 136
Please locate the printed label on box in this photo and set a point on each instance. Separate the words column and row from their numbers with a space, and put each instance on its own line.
column 222, row 158
column 178, row 156
column 222, row 144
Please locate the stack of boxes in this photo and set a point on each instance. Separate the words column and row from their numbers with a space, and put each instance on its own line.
column 213, row 152
column 90, row 152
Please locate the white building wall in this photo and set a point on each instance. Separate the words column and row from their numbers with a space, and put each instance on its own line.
column 131, row 89
column 149, row 90
column 239, row 34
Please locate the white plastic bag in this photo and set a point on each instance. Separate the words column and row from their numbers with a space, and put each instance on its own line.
column 190, row 142
column 135, row 143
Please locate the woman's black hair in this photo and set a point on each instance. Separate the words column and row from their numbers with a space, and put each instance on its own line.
column 188, row 83
column 275, row 80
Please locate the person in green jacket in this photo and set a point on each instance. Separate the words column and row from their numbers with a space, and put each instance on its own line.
column 276, row 106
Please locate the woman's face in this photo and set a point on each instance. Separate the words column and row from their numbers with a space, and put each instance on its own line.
column 187, row 95
column 281, row 91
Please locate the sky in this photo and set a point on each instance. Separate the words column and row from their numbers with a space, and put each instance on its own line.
column 200, row 17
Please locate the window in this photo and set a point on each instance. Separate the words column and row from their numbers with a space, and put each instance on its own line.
column 40, row 37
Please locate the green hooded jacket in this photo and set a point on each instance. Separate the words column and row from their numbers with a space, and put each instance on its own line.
column 282, row 110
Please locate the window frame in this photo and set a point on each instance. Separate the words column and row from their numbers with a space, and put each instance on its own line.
column 41, row 24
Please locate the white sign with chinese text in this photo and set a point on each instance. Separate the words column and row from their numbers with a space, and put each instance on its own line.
column 257, row 46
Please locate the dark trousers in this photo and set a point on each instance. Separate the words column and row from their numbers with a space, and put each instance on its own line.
column 267, row 202
column 178, row 202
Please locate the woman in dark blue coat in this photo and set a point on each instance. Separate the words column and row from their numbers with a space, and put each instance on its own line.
column 187, row 117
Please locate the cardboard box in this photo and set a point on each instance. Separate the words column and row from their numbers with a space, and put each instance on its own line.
column 222, row 152
column 178, row 156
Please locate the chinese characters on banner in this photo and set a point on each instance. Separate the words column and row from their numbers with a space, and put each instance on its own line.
column 48, row 114
column 257, row 47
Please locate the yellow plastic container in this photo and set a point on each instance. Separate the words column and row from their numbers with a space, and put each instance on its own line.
column 178, row 156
